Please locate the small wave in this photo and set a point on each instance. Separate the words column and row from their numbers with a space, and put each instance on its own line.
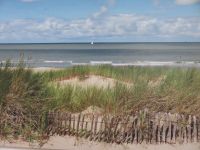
column 3, row 61
column 158, row 63
column 122, row 64
column 79, row 64
column 101, row 62
column 154, row 63
column 144, row 63
column 54, row 61
column 135, row 63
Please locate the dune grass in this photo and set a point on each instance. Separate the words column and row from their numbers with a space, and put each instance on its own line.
column 158, row 88
column 24, row 92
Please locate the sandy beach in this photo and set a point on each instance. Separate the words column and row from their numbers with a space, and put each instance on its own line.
column 73, row 143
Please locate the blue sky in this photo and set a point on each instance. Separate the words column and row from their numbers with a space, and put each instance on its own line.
column 99, row 20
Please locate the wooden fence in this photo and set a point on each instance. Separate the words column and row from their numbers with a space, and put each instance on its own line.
column 140, row 127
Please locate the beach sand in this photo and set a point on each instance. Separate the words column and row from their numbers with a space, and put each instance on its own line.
column 73, row 143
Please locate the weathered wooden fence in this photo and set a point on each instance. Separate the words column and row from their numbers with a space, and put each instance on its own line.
column 140, row 127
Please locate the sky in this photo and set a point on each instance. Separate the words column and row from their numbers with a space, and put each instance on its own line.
column 43, row 21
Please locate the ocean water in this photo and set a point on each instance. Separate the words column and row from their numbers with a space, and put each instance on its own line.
column 116, row 54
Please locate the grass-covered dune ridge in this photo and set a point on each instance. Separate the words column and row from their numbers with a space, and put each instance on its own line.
column 159, row 89
column 24, row 91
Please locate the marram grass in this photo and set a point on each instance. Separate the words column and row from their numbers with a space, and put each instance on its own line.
column 26, row 92
column 160, row 89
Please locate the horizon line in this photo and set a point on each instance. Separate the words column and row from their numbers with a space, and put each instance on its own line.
column 93, row 42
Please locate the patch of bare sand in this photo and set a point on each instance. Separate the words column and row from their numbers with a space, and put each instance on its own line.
column 17, row 144
column 92, row 80
column 103, row 82
column 74, row 143
column 157, row 82
column 93, row 110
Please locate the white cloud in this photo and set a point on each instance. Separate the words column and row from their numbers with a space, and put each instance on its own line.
column 104, row 8
column 186, row 2
column 102, row 11
column 122, row 25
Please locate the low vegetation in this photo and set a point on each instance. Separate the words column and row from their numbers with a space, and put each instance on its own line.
column 24, row 92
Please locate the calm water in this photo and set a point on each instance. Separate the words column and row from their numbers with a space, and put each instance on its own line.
column 63, row 55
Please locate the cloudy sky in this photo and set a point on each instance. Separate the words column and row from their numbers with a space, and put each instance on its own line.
column 99, row 20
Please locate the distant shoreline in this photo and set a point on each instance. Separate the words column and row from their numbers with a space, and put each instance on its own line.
column 94, row 42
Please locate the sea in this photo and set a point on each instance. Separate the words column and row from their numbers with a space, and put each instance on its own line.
column 60, row 55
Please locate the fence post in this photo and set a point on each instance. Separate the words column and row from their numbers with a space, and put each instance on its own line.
column 189, row 128
column 158, row 127
column 180, row 129
column 74, row 123
column 168, row 140
column 139, row 137
column 155, row 126
column 86, row 129
column 95, row 127
column 91, row 129
column 184, row 129
column 82, row 123
column 77, row 125
column 174, row 130
column 198, row 129
column 136, row 130
column 100, row 130
column 195, row 128
column 69, row 124
column 164, row 127
column 65, row 126
column 115, row 129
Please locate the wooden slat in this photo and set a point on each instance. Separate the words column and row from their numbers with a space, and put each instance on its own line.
column 195, row 129
column 100, row 129
column 158, row 127
column 86, row 129
column 115, row 129
column 70, row 122
column 180, row 129
column 81, row 132
column 169, row 135
column 95, row 127
column 77, row 125
column 165, row 125
column 198, row 130
column 189, row 128
column 135, row 130
column 74, row 123
column 91, row 129
column 184, row 129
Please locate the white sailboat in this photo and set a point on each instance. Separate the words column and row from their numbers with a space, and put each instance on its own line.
column 92, row 42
